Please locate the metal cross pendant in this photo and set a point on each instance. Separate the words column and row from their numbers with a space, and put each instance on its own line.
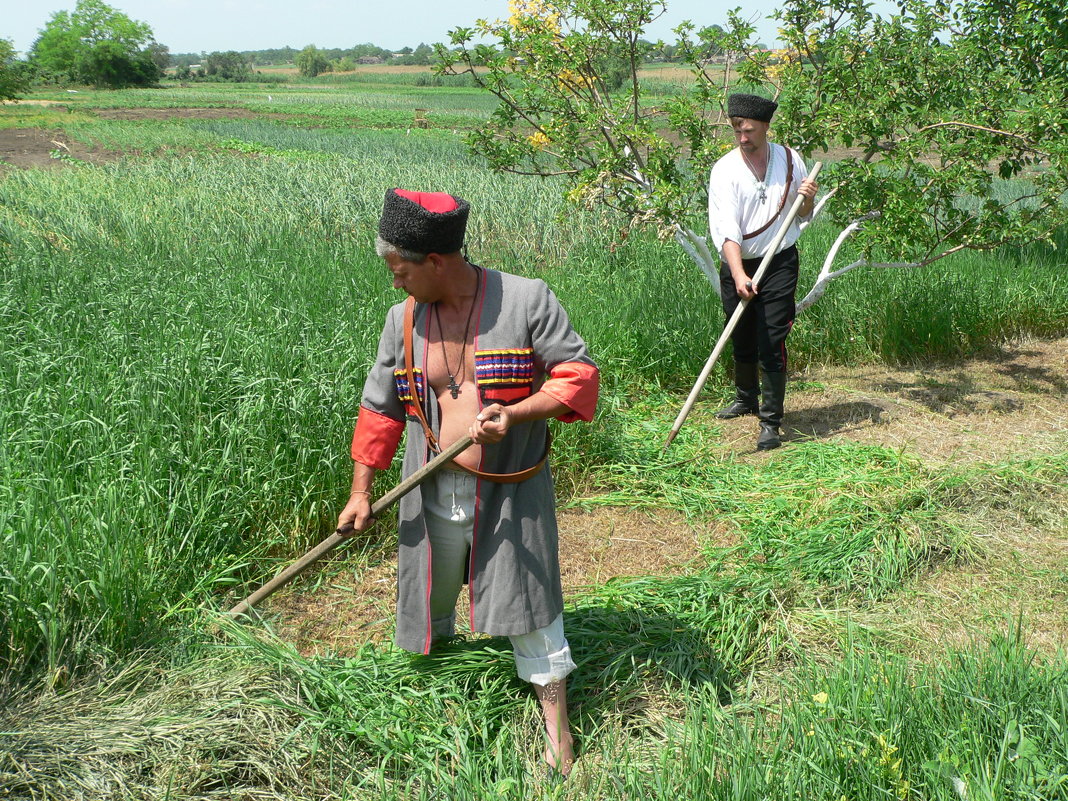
column 454, row 388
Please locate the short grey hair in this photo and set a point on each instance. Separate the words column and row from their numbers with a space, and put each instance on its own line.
column 384, row 248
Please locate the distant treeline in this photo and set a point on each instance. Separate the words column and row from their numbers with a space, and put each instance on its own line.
column 312, row 61
column 359, row 54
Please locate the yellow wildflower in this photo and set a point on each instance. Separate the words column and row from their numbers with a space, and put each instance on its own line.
column 539, row 140
column 533, row 12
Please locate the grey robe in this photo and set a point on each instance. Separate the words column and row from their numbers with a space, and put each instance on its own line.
column 523, row 342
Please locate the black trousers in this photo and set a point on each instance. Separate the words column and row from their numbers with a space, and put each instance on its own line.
column 761, row 333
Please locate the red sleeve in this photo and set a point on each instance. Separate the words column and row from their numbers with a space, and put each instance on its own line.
column 375, row 439
column 574, row 384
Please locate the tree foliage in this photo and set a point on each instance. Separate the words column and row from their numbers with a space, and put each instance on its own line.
column 422, row 56
column 951, row 115
column 955, row 112
column 311, row 62
column 96, row 44
column 227, row 66
column 12, row 75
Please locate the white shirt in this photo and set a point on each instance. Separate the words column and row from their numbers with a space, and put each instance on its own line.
column 735, row 208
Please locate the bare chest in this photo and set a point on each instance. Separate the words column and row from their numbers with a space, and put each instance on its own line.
column 450, row 353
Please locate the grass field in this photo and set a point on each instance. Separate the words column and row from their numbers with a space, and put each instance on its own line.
column 186, row 324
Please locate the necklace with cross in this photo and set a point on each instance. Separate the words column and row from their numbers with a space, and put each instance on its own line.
column 761, row 185
column 454, row 388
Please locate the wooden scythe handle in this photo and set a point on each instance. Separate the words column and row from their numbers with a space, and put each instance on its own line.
column 326, row 546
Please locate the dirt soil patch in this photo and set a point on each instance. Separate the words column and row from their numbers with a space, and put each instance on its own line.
column 33, row 147
column 1010, row 403
column 348, row 609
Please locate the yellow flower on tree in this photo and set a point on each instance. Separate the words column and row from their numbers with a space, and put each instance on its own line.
column 539, row 140
column 523, row 13
column 569, row 79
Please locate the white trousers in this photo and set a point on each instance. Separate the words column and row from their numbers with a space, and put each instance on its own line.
column 541, row 656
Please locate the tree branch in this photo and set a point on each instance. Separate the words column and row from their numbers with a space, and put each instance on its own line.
column 1027, row 142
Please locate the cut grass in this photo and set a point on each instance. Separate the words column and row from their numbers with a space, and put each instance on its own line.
column 258, row 721
column 184, row 339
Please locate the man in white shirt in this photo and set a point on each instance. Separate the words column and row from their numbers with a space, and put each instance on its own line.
column 748, row 193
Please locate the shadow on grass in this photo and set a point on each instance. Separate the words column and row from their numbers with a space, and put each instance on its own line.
column 631, row 665
column 612, row 647
column 636, row 643
column 824, row 421
column 630, row 661
column 1030, row 377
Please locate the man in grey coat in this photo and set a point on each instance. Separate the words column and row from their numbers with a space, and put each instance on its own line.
column 499, row 358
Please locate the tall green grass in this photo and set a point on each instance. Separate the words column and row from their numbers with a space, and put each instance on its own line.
column 982, row 725
column 186, row 338
column 954, row 307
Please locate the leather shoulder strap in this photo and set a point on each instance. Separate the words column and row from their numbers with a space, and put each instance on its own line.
column 785, row 195
column 409, row 369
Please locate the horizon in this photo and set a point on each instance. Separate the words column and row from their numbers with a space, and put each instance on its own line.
column 200, row 26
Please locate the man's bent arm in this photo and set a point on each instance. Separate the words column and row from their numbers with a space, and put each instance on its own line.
column 493, row 422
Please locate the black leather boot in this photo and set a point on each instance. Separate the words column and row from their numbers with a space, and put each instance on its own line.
column 772, row 400
column 747, row 392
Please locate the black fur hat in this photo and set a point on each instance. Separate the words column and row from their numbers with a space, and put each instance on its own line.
column 752, row 107
column 424, row 222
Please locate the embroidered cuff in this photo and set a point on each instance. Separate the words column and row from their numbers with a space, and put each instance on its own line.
column 574, row 384
column 375, row 438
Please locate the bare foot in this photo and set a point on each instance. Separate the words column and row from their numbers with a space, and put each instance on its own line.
column 560, row 753
column 560, row 756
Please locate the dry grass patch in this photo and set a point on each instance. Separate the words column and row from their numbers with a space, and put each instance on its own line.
column 612, row 542
column 1022, row 577
column 1011, row 403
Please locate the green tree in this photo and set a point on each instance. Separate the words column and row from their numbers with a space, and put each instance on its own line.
column 945, row 100
column 160, row 55
column 12, row 75
column 422, row 56
column 227, row 66
column 369, row 50
column 96, row 44
column 311, row 62
column 958, row 111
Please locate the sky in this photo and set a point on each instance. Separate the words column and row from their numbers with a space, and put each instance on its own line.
column 194, row 26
